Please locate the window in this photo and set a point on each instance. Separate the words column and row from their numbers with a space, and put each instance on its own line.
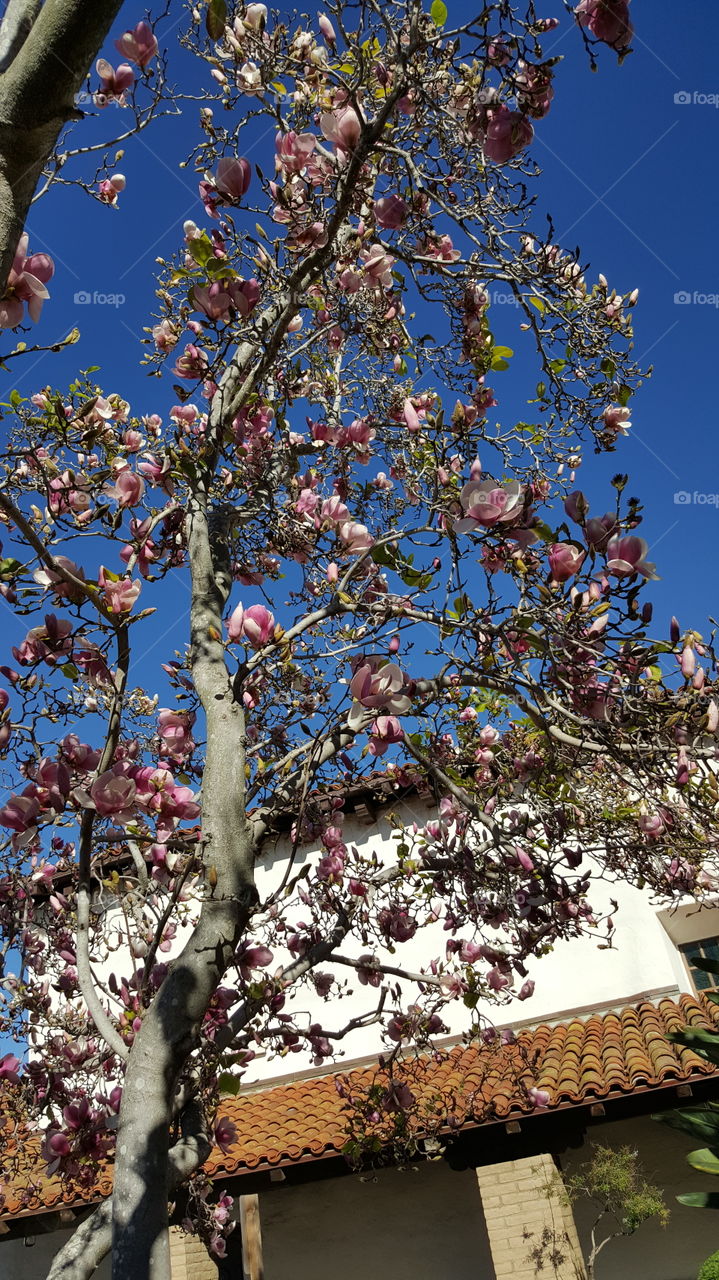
column 707, row 949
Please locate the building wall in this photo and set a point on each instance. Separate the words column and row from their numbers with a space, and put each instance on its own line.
column 653, row 1253
column 575, row 977
column 20, row 1262
column 422, row 1225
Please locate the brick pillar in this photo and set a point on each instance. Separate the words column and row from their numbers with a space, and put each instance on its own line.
column 524, row 1209
column 189, row 1259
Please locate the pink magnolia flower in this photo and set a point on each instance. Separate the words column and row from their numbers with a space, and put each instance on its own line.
column 653, row 825
column 565, row 560
column 128, row 488
column 341, row 126
column 225, row 1134
column 192, row 364
column 626, row 556
column 175, row 729
column 139, row 45
column 487, row 503
column 356, row 537
column 391, row 212
column 164, row 336
column 327, row 29
column 53, row 581
column 46, row 643
column 9, row 1067
column 378, row 687
column 26, row 284
column 109, row 188
column 385, row 731
column 508, row 133
column 540, row 1097
column 616, row 419
column 19, row 814
column 120, row 593
column 608, row 21
column 114, row 82
column 293, row 150
column 599, row 530
column 249, row 958
column 112, row 795
column 233, row 176
column 255, row 626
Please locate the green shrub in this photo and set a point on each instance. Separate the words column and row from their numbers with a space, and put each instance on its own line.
column 710, row 1269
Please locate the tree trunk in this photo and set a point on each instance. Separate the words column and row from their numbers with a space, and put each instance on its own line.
column 46, row 57
column 171, row 1026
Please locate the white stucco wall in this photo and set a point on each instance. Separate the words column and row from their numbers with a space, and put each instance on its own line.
column 577, row 976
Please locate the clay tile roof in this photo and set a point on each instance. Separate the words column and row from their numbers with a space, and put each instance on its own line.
column 577, row 1063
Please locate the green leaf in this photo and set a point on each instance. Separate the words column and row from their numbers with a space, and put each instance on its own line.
column 700, row 1199
column 541, row 390
column 228, row 1085
column 704, row 1161
column 216, row 18
column 709, row 966
column 70, row 671
column 698, row 1122
column 537, row 302
column 15, row 398
column 438, row 13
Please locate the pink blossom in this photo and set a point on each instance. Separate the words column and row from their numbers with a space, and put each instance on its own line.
column 128, row 488
column 653, row 825
column 377, row 266
column 164, row 336
column 233, row 176
column 225, row 1134
column 112, row 795
column 616, row 420
column 377, row 687
column 626, row 556
column 9, row 1067
column 391, row 212
column 385, row 731
column 249, row 958
column 497, row 980
column 356, row 537
column 52, row 580
column 526, row 990
column 120, row 593
column 411, row 417
column 367, row 971
column 327, row 29
column 175, row 729
column 138, row 46
column 46, row 643
column 114, row 82
column 508, row 133
column 255, row 625
column 26, row 283
column 539, row 1097
column 293, row 150
column 484, row 502
column 192, row 364
column 599, row 530
column 109, row 188
column 565, row 559
column 20, row 813
column 341, row 126
column 608, row 21
column 334, row 511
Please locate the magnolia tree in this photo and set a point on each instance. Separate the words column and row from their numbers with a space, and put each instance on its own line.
column 380, row 562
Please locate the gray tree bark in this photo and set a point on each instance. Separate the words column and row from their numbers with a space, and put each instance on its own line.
column 171, row 1025
column 45, row 55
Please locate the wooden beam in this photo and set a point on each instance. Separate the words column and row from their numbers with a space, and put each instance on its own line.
column 251, row 1229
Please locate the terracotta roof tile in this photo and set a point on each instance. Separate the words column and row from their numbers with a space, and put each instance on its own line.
column 577, row 1062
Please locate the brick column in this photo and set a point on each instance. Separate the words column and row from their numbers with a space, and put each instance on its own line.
column 189, row 1259
column 524, row 1209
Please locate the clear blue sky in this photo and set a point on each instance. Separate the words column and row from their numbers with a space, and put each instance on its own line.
column 630, row 175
